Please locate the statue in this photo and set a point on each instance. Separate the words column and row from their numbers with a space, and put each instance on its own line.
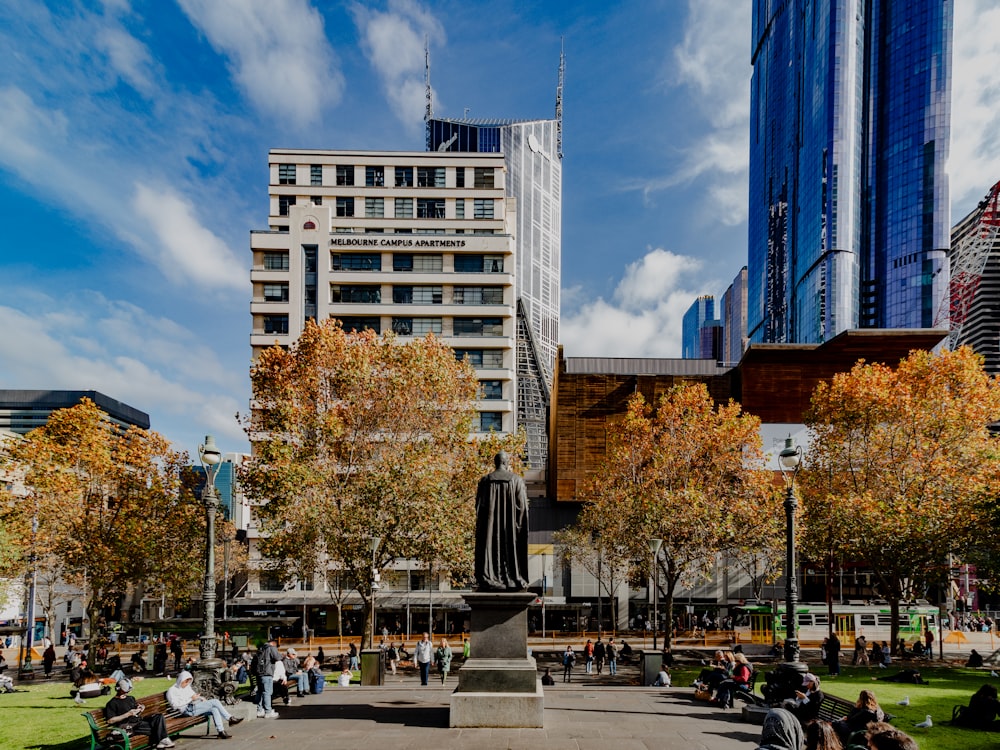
column 501, row 529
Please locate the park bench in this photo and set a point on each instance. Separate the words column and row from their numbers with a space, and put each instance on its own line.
column 833, row 709
column 104, row 736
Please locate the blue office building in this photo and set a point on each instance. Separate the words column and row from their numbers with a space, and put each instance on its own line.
column 849, row 223
column 699, row 318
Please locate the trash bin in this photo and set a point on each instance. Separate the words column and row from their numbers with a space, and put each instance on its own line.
column 372, row 667
column 650, row 662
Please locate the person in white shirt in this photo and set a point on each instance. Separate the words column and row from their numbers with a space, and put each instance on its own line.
column 423, row 653
column 182, row 697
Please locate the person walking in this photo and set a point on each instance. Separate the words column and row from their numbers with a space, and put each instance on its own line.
column 443, row 659
column 600, row 654
column 569, row 659
column 423, row 653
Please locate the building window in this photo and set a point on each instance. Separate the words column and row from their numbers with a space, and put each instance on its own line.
column 355, row 262
column 270, row 581
column 477, row 295
column 286, row 174
column 359, row 322
column 478, row 326
column 430, row 208
column 316, row 175
column 478, row 264
column 345, row 206
column 316, row 200
column 460, row 208
column 490, row 421
column 460, row 177
column 482, row 359
column 355, row 294
column 284, row 202
column 416, row 326
column 276, row 292
column 430, row 176
column 423, row 263
column 345, row 175
column 490, row 390
column 404, row 176
column 483, row 177
column 276, row 324
column 275, row 261
column 404, row 208
column 483, row 208
column 375, row 176
column 417, row 295
column 374, row 208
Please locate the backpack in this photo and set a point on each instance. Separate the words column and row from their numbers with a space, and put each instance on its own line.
column 264, row 661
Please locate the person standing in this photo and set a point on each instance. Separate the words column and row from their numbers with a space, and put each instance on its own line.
column 588, row 655
column 125, row 713
column 929, row 642
column 49, row 658
column 423, row 653
column 612, row 650
column 833, row 654
column 569, row 659
column 177, row 650
column 267, row 656
column 860, row 651
column 600, row 654
column 443, row 658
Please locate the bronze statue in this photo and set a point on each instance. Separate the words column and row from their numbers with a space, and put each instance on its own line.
column 501, row 529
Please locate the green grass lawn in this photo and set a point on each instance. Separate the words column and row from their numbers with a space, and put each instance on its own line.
column 947, row 687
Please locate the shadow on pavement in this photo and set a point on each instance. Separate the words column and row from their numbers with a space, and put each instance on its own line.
column 403, row 713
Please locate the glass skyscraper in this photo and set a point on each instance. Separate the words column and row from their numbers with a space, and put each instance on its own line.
column 850, row 116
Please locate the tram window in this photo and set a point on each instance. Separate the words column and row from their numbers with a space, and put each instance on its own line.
column 885, row 621
column 867, row 620
column 805, row 620
column 904, row 620
column 821, row 619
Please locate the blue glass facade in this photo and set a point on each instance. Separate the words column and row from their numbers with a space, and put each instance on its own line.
column 700, row 315
column 850, row 117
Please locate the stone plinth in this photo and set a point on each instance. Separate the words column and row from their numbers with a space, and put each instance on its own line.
column 498, row 685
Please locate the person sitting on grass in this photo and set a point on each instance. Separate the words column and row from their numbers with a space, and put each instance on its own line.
column 975, row 660
column 982, row 711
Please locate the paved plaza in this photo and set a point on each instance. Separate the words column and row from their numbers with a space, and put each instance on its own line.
column 576, row 717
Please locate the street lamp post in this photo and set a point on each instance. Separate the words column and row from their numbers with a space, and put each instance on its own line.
column 654, row 548
column 789, row 461
column 375, row 542
column 211, row 675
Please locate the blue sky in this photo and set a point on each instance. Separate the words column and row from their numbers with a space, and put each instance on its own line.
column 133, row 164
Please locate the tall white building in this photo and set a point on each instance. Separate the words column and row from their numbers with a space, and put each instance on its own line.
column 532, row 152
column 412, row 242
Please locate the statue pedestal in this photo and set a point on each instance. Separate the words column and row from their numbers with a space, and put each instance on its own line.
column 498, row 685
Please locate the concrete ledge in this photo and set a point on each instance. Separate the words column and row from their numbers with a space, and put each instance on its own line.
column 498, row 676
column 503, row 710
column 754, row 714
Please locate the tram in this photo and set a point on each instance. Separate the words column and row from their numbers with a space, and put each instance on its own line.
column 759, row 623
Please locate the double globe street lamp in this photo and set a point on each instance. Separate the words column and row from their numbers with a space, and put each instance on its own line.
column 789, row 461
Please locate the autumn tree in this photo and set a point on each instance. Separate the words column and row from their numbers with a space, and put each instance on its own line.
column 684, row 473
column 357, row 436
column 107, row 505
column 599, row 555
column 901, row 467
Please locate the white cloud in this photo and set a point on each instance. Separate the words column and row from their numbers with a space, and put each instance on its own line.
column 974, row 163
column 277, row 53
column 190, row 251
column 393, row 41
column 644, row 318
column 129, row 57
column 87, row 342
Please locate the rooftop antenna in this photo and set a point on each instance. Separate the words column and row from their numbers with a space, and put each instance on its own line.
column 429, row 105
column 465, row 114
column 559, row 97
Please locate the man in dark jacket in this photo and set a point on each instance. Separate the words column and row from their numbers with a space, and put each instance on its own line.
column 125, row 714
